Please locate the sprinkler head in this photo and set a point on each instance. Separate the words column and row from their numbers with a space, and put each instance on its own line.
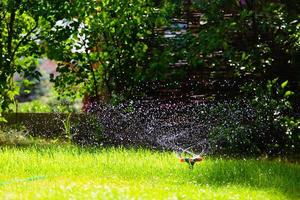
column 198, row 159
column 191, row 161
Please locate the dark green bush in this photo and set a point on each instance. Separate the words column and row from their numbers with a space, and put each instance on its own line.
column 260, row 124
column 88, row 131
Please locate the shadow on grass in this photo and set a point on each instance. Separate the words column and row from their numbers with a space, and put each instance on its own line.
column 258, row 174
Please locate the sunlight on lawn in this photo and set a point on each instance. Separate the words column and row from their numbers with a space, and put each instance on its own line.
column 73, row 173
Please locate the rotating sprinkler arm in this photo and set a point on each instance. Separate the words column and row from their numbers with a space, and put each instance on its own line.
column 190, row 160
column 186, row 151
column 189, row 152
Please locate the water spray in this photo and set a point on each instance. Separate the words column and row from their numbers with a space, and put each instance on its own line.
column 194, row 158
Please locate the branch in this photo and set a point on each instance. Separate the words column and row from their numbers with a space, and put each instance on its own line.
column 107, row 77
column 24, row 39
column 92, row 69
column 10, row 28
column 1, row 45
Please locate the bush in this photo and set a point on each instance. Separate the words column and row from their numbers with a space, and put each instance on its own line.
column 9, row 137
column 261, row 124
column 88, row 131
column 18, row 136
column 34, row 106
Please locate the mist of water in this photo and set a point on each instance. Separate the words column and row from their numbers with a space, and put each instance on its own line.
column 165, row 125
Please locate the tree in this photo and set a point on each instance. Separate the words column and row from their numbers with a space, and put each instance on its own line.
column 23, row 26
column 18, row 46
column 104, row 49
column 248, row 38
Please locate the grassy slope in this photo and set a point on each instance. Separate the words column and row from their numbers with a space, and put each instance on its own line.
column 72, row 173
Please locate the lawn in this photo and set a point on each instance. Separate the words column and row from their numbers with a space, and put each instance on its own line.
column 68, row 172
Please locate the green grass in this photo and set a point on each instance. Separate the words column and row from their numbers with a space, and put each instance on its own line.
column 57, row 172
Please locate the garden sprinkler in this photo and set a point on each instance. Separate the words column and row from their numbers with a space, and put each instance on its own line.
column 190, row 160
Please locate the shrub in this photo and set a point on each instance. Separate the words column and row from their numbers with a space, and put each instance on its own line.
column 261, row 124
column 12, row 136
column 18, row 136
column 88, row 131
column 34, row 106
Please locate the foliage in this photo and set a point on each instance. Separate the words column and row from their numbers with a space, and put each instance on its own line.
column 105, row 49
column 273, row 105
column 248, row 42
column 23, row 27
column 34, row 106
column 46, row 105
column 2, row 119
column 10, row 136
column 88, row 131
column 251, row 40
column 264, row 125
column 112, row 49
column 18, row 45
column 18, row 136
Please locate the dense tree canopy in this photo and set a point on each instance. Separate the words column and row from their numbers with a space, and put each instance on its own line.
column 18, row 49
column 23, row 25
column 112, row 49
column 106, row 47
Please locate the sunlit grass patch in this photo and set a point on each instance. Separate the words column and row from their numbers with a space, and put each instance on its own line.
column 65, row 172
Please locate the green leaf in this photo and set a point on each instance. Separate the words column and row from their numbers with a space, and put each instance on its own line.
column 288, row 93
column 274, row 81
column 245, row 56
column 2, row 119
column 112, row 30
column 145, row 47
column 26, row 91
column 284, row 84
